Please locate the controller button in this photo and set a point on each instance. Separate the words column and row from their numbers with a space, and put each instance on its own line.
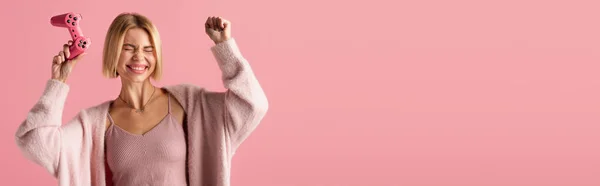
column 75, row 18
column 68, row 21
column 70, row 16
column 83, row 46
column 73, row 23
column 85, row 42
column 72, row 30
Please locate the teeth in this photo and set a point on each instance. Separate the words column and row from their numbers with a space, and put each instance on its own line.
column 138, row 68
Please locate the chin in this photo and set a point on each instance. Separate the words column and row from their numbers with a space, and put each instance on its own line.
column 138, row 79
column 134, row 78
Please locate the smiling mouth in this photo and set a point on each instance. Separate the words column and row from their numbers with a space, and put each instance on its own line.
column 138, row 69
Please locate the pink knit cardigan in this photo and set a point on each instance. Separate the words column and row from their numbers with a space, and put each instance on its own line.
column 216, row 124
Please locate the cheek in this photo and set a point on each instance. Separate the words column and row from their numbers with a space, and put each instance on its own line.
column 122, row 61
column 151, row 59
column 123, row 57
column 152, row 65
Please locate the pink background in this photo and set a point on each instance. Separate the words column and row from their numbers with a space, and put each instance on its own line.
column 412, row 93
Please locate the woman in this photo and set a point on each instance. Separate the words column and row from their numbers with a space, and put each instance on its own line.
column 173, row 135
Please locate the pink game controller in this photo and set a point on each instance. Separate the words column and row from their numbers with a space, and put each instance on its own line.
column 71, row 22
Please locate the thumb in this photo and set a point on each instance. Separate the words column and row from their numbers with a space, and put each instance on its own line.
column 226, row 24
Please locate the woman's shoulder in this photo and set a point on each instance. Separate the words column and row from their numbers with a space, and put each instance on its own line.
column 184, row 92
column 183, row 89
column 96, row 111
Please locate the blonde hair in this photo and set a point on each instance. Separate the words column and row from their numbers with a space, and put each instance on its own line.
column 114, row 41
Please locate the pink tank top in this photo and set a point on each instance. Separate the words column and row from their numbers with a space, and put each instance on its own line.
column 157, row 157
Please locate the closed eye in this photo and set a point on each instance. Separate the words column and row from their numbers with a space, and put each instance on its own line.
column 148, row 49
column 128, row 47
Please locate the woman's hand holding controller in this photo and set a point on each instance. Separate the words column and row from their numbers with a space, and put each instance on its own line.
column 61, row 66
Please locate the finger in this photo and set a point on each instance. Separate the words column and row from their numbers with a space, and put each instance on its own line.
column 207, row 24
column 66, row 51
column 62, row 55
column 70, row 42
column 56, row 59
column 220, row 23
column 216, row 23
column 210, row 22
column 60, row 58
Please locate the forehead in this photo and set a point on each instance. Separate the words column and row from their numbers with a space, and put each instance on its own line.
column 137, row 36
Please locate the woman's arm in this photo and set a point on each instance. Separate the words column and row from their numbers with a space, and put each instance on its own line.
column 244, row 102
column 41, row 138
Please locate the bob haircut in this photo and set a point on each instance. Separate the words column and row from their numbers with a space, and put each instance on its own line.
column 114, row 41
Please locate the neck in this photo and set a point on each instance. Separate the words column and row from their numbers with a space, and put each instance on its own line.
column 137, row 94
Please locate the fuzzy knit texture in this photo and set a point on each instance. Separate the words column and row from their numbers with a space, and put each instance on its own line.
column 216, row 124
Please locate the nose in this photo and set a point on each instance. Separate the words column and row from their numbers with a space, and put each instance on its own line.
column 137, row 55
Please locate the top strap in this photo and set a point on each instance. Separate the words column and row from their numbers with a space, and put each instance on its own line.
column 112, row 122
column 169, row 102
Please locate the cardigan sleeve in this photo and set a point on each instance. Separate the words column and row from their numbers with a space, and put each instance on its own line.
column 244, row 101
column 41, row 138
